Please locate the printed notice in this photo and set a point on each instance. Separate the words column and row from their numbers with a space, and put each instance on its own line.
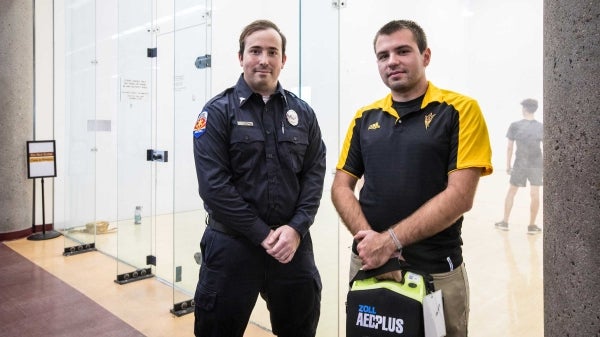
column 179, row 83
column 41, row 159
column 134, row 90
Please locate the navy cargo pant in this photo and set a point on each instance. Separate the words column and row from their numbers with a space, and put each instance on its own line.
column 234, row 271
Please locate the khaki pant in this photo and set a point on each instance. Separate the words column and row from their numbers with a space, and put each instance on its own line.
column 455, row 291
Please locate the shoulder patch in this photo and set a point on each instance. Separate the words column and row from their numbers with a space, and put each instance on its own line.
column 200, row 126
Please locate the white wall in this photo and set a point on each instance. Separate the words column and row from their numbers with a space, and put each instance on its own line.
column 489, row 50
column 44, row 101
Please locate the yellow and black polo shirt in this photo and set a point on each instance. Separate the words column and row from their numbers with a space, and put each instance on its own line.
column 405, row 161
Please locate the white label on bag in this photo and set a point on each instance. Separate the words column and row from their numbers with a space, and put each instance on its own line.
column 433, row 315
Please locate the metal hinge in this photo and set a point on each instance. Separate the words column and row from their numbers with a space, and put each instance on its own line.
column 156, row 155
column 152, row 52
column 151, row 260
column 182, row 308
column 86, row 247
column 203, row 61
column 136, row 275
column 339, row 3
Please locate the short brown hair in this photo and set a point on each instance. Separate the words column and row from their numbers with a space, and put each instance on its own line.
column 530, row 104
column 256, row 26
column 396, row 25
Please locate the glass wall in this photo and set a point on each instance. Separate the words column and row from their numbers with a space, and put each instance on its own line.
column 137, row 73
column 192, row 75
column 491, row 51
column 80, row 156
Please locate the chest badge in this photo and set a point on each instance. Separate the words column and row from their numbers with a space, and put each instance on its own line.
column 428, row 119
column 292, row 117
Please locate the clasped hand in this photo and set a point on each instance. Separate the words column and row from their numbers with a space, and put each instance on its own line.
column 282, row 243
column 374, row 250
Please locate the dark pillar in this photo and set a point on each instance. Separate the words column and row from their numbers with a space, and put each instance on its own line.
column 572, row 168
column 16, row 113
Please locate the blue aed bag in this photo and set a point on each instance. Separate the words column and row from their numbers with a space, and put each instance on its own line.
column 377, row 308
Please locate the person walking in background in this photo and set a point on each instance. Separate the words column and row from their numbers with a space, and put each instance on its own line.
column 260, row 162
column 527, row 133
column 420, row 151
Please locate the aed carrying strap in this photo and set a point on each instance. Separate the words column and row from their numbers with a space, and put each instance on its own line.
column 391, row 265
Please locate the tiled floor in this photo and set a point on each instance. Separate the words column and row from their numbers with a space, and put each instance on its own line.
column 33, row 302
column 142, row 305
column 504, row 268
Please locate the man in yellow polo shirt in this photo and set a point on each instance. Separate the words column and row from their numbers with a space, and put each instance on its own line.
column 421, row 151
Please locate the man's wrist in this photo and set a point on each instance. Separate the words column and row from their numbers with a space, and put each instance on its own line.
column 395, row 240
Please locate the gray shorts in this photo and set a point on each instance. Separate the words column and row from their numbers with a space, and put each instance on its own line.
column 519, row 176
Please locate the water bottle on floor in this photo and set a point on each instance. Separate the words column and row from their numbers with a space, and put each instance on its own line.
column 137, row 218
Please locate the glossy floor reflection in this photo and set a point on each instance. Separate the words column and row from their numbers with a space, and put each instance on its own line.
column 144, row 305
column 504, row 269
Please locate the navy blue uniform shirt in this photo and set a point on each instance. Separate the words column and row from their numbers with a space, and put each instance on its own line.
column 259, row 165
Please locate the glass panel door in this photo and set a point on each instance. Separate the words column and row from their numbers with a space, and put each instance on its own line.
column 458, row 33
column 79, row 226
column 191, row 86
column 303, row 74
column 319, row 86
column 164, row 140
column 135, row 165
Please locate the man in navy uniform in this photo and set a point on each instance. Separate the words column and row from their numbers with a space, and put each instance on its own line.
column 260, row 162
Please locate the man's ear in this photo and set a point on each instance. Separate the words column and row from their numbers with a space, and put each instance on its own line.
column 283, row 59
column 426, row 57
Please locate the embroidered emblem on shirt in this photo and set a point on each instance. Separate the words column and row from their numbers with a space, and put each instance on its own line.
column 374, row 126
column 200, row 126
column 428, row 119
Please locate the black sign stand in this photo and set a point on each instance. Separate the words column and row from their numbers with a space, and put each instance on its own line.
column 41, row 164
column 44, row 235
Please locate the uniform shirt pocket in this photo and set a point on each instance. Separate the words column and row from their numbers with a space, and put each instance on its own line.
column 293, row 144
column 247, row 145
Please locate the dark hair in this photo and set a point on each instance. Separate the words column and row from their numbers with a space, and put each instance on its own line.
column 396, row 25
column 256, row 26
column 530, row 104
